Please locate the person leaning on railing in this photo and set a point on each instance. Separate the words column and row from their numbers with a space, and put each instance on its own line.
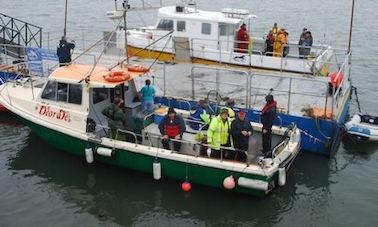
column 172, row 126
column 64, row 51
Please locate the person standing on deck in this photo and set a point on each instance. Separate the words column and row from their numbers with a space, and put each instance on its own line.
column 242, row 39
column 200, row 118
column 218, row 134
column 241, row 130
column 300, row 42
column 116, row 118
column 148, row 93
column 279, row 43
column 275, row 30
column 230, row 103
column 172, row 126
column 307, row 43
column 64, row 51
column 269, row 41
column 268, row 115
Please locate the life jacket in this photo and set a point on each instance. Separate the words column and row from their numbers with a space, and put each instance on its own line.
column 172, row 130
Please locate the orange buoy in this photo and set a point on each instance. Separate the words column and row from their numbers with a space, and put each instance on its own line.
column 137, row 68
column 117, row 76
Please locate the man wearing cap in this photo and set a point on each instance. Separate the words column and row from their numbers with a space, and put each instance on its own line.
column 241, row 130
column 218, row 134
column 172, row 126
column 116, row 118
column 268, row 115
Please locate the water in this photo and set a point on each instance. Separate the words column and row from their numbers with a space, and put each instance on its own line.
column 42, row 186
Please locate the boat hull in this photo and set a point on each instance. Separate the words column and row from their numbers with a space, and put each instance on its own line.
column 196, row 174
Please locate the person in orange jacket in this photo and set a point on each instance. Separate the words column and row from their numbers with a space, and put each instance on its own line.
column 279, row 43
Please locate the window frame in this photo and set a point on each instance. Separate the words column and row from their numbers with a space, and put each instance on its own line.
column 204, row 28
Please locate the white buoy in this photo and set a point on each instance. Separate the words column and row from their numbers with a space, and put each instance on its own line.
column 156, row 167
column 105, row 151
column 253, row 184
column 89, row 155
column 281, row 176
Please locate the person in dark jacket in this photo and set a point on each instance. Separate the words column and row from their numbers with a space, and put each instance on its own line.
column 268, row 115
column 300, row 43
column 269, row 41
column 172, row 126
column 116, row 119
column 241, row 130
column 64, row 51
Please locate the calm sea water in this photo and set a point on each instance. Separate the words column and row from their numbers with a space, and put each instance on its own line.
column 42, row 186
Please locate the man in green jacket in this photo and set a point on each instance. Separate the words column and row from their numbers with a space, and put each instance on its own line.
column 218, row 134
column 116, row 119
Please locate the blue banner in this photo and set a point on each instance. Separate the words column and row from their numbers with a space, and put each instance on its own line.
column 41, row 62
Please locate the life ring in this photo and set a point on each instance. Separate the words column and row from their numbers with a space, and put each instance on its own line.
column 137, row 68
column 117, row 76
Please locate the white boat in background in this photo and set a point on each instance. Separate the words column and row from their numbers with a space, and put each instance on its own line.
column 185, row 33
column 363, row 127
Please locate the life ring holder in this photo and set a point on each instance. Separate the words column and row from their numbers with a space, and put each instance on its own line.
column 117, row 76
column 137, row 68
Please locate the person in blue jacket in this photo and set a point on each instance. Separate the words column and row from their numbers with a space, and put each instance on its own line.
column 199, row 117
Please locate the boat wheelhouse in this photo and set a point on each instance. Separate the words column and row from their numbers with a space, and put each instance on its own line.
column 65, row 111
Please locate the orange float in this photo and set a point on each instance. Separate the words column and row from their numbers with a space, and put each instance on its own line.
column 117, row 76
column 335, row 78
column 137, row 68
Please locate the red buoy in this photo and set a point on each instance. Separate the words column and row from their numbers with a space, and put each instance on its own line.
column 229, row 183
column 335, row 78
column 186, row 186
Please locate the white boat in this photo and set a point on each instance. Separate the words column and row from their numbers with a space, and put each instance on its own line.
column 65, row 111
column 186, row 33
column 363, row 127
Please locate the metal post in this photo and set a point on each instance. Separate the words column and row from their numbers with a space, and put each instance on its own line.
column 289, row 98
column 65, row 19
column 48, row 40
column 125, row 7
column 164, row 80
column 351, row 28
column 193, row 89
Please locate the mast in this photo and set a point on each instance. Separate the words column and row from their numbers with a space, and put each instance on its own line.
column 65, row 19
column 126, row 6
column 351, row 28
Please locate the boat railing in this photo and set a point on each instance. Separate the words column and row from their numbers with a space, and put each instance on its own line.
column 338, row 93
column 227, row 49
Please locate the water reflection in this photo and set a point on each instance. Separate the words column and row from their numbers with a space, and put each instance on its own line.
column 129, row 198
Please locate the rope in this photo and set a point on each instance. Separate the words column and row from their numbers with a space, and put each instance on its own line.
column 162, row 50
column 154, row 42
column 358, row 102
column 312, row 137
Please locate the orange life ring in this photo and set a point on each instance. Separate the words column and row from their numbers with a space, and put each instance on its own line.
column 117, row 76
column 137, row 68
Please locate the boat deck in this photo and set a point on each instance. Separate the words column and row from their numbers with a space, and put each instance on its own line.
column 152, row 136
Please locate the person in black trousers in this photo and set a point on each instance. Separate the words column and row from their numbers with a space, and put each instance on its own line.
column 268, row 115
column 64, row 51
column 241, row 130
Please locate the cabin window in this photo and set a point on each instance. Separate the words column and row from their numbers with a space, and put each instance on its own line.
column 165, row 24
column 100, row 94
column 181, row 26
column 62, row 92
column 206, row 28
column 226, row 29
column 75, row 94
column 50, row 91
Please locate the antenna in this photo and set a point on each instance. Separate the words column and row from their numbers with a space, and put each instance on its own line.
column 351, row 28
column 65, row 19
